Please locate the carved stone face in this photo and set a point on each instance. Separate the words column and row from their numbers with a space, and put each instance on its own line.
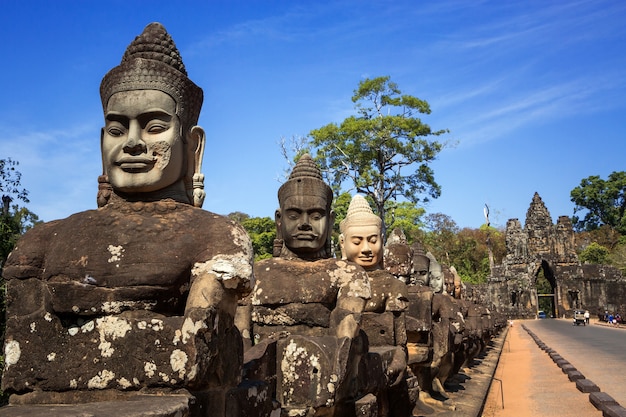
column 421, row 265
column 304, row 223
column 436, row 278
column 142, row 150
column 362, row 244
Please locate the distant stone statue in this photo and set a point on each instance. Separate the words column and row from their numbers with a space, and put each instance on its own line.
column 306, row 306
column 140, row 293
column 383, row 319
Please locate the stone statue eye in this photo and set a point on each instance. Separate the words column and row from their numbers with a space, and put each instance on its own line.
column 316, row 216
column 115, row 131
column 156, row 127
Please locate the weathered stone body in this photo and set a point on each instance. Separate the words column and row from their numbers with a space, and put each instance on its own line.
column 90, row 306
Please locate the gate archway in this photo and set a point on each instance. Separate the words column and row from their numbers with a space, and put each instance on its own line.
column 546, row 287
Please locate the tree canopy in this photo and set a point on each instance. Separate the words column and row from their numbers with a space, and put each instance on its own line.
column 14, row 220
column 603, row 200
column 385, row 150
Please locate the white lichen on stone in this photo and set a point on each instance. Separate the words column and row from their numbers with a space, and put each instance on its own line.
column 73, row 384
column 47, row 317
column 124, row 383
column 106, row 350
column 156, row 325
column 142, row 325
column 116, row 253
column 165, row 377
column 51, row 356
column 88, row 326
column 255, row 298
column 33, row 327
column 113, row 307
column 149, row 368
column 111, row 328
column 12, row 353
column 234, row 271
column 192, row 372
column 75, row 309
column 352, row 283
column 101, row 380
column 189, row 330
column 293, row 357
column 178, row 361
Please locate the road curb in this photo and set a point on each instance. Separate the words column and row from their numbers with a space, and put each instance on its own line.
column 600, row 400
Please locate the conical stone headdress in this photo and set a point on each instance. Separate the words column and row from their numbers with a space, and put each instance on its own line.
column 152, row 62
column 359, row 213
column 305, row 179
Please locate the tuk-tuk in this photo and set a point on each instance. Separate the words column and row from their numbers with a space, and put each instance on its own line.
column 579, row 317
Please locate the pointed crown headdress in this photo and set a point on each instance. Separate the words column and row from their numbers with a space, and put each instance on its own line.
column 152, row 62
column 305, row 179
column 359, row 213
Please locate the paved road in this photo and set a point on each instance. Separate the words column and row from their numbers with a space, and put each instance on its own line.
column 598, row 352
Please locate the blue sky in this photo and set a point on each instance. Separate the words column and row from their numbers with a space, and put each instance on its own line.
column 533, row 92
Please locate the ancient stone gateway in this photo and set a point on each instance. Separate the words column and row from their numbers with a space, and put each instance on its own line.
column 541, row 271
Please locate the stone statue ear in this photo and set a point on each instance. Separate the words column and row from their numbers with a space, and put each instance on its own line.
column 342, row 240
column 196, row 140
column 104, row 170
column 278, row 221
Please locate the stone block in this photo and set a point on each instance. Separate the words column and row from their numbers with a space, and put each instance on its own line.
column 567, row 368
column 135, row 406
column 379, row 328
column 310, row 314
column 314, row 371
column 250, row 398
column 601, row 400
column 614, row 411
column 586, row 385
column 561, row 363
column 575, row 375
column 121, row 352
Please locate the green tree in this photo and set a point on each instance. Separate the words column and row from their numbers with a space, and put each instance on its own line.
column 385, row 150
column 594, row 254
column 603, row 200
column 406, row 216
column 14, row 220
column 440, row 236
column 262, row 232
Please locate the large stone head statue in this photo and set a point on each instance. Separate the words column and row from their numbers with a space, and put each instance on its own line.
column 361, row 241
column 304, row 219
column 150, row 143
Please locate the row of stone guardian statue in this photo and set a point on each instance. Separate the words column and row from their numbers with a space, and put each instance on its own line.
column 153, row 306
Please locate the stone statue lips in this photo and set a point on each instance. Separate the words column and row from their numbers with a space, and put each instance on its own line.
column 305, row 236
column 136, row 164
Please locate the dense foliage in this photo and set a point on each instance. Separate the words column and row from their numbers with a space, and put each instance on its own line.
column 262, row 232
column 384, row 151
column 603, row 201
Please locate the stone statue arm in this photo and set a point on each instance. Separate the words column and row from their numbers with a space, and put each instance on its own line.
column 351, row 299
column 225, row 277
column 220, row 282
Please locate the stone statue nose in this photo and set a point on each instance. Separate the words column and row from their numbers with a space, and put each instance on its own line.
column 304, row 222
column 134, row 144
